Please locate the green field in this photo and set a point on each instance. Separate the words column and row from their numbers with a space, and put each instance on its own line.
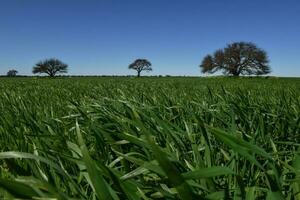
column 150, row 138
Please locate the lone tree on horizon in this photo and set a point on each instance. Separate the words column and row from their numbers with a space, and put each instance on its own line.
column 51, row 67
column 12, row 73
column 140, row 65
column 239, row 58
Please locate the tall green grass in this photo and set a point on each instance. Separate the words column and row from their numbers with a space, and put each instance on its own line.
column 150, row 138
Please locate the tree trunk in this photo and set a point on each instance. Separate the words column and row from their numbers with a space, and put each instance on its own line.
column 138, row 73
column 236, row 74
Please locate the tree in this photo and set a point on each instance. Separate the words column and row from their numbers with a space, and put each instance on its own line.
column 12, row 73
column 51, row 67
column 240, row 58
column 140, row 65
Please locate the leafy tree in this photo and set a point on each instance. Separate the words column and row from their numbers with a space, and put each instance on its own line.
column 51, row 67
column 240, row 58
column 140, row 65
column 12, row 73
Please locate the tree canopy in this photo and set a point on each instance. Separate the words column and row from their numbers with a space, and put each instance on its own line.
column 51, row 67
column 239, row 58
column 12, row 73
column 140, row 65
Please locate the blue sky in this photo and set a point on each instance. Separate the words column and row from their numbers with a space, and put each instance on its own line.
column 104, row 36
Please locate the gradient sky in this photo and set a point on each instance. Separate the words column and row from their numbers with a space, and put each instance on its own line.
column 103, row 36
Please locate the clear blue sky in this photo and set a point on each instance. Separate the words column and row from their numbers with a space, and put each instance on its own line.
column 104, row 36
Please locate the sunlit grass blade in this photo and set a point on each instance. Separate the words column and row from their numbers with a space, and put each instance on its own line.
column 207, row 173
column 19, row 190
column 100, row 186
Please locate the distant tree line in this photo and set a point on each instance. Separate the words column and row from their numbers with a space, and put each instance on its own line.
column 239, row 58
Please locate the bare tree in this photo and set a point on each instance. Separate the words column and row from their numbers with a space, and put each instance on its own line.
column 51, row 67
column 240, row 58
column 140, row 65
column 12, row 73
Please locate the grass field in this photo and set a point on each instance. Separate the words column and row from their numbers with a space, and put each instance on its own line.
column 150, row 138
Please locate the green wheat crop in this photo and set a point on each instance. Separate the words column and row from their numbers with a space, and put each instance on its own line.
column 149, row 138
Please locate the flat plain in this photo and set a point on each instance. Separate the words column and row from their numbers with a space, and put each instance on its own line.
column 150, row 138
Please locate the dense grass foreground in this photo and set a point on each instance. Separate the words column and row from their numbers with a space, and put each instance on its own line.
column 150, row 138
